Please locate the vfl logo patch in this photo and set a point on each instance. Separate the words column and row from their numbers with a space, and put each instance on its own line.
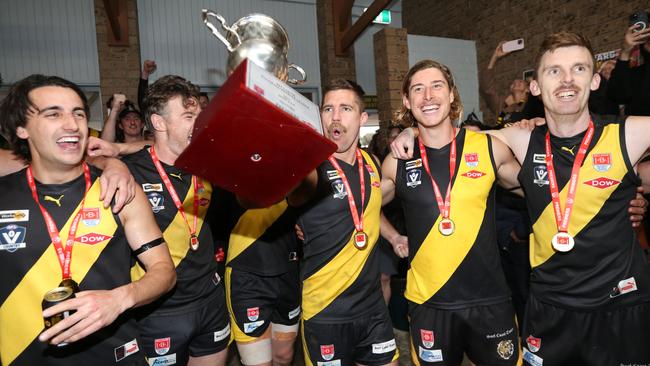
column 12, row 237
column 541, row 175
column 14, row 216
column 161, row 345
column 539, row 159
column 413, row 178
column 417, row 163
column 602, row 162
column 92, row 238
column 602, row 182
column 152, row 187
column 90, row 216
column 471, row 160
column 327, row 352
column 427, row 338
column 157, row 201
column 474, row 174
column 339, row 189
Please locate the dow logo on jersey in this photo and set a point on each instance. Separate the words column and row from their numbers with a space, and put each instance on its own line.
column 602, row 182
column 413, row 178
column 327, row 352
column 157, row 201
column 12, row 237
column 92, row 238
column 474, row 174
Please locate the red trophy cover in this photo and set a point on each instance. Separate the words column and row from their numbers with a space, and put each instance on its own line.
column 258, row 137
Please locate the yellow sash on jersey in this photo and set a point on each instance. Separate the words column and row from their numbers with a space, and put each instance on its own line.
column 21, row 314
column 589, row 200
column 251, row 225
column 321, row 288
column 177, row 234
column 439, row 256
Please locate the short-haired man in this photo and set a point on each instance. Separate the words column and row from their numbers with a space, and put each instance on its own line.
column 590, row 283
column 345, row 320
column 48, row 209
column 190, row 324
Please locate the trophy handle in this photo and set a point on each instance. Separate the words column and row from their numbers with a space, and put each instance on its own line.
column 215, row 31
column 302, row 74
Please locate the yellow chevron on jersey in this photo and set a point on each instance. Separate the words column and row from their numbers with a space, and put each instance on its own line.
column 589, row 200
column 321, row 288
column 16, row 333
column 177, row 234
column 439, row 256
column 251, row 225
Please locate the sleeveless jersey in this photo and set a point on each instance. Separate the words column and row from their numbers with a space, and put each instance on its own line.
column 462, row 269
column 261, row 240
column 195, row 270
column 606, row 251
column 340, row 282
column 29, row 268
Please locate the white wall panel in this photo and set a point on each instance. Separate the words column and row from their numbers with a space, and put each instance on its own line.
column 460, row 56
column 54, row 37
column 173, row 34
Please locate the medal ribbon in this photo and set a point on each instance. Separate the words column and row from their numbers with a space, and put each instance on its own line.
column 172, row 192
column 64, row 255
column 562, row 220
column 356, row 217
column 443, row 206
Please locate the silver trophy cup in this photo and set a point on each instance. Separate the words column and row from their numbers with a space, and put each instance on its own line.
column 260, row 39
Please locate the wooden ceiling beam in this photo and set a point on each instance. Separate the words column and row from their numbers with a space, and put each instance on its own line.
column 118, row 22
column 346, row 33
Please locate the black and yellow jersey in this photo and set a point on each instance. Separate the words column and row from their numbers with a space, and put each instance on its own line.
column 29, row 268
column 462, row 269
column 260, row 241
column 195, row 270
column 340, row 282
column 606, row 252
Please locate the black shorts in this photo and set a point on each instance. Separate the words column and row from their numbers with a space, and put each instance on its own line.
column 388, row 260
column 201, row 330
column 256, row 301
column 557, row 336
column 486, row 333
column 368, row 340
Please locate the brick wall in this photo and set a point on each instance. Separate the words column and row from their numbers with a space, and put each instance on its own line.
column 391, row 65
column 488, row 22
column 119, row 67
column 331, row 66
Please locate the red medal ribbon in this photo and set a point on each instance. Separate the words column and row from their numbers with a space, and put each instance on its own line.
column 443, row 206
column 358, row 218
column 562, row 220
column 172, row 192
column 63, row 254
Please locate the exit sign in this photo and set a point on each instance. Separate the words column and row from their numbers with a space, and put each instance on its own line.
column 382, row 18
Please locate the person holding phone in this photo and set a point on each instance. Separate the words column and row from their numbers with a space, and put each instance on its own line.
column 631, row 85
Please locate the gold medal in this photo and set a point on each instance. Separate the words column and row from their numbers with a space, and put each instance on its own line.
column 562, row 242
column 446, row 227
column 360, row 240
column 194, row 242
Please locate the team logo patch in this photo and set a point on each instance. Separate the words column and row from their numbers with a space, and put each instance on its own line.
column 539, row 159
column 12, row 237
column 532, row 359
column 541, row 175
column 14, row 215
column 417, row 163
column 126, row 350
column 413, row 178
column 430, row 355
column 327, row 352
column 157, row 201
column 339, row 189
column 162, row 360
column 602, row 162
column 533, row 343
column 152, row 187
column 602, row 182
column 427, row 338
column 161, row 345
column 333, row 174
column 474, row 174
column 471, row 160
column 253, row 313
column 92, row 238
column 90, row 216
column 250, row 327
column 505, row 349
column 383, row 347
column 222, row 334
